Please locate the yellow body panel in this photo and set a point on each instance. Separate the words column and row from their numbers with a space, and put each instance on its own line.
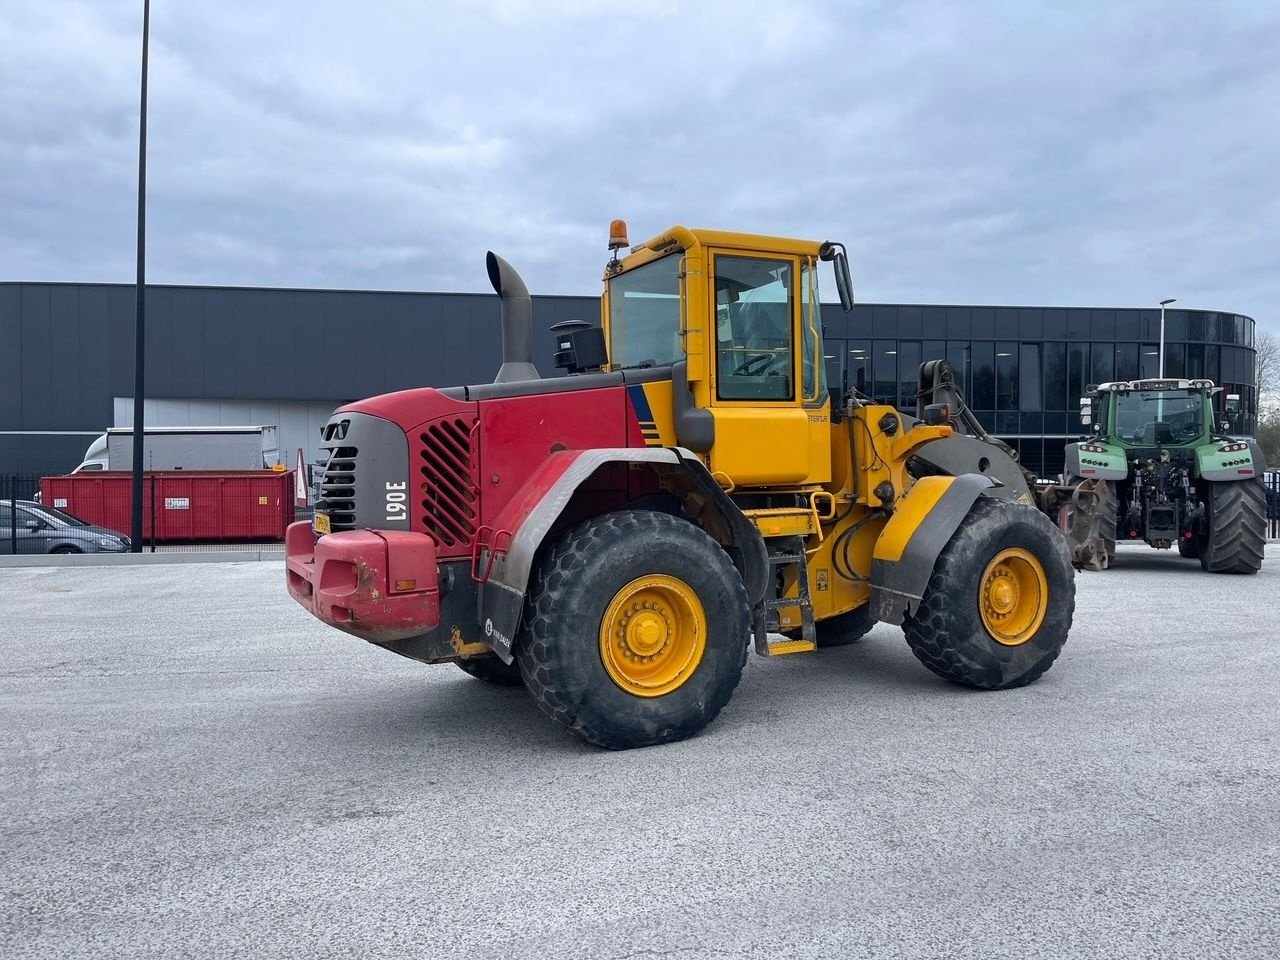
column 910, row 513
column 761, row 446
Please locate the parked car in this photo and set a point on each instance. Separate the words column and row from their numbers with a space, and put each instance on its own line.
column 35, row 528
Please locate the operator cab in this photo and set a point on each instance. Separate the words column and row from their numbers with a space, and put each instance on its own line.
column 738, row 319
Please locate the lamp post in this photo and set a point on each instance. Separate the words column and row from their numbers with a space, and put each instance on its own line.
column 1163, row 304
column 140, row 297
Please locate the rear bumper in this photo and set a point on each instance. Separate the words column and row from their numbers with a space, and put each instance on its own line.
column 380, row 585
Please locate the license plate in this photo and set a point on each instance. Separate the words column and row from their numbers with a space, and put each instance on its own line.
column 320, row 524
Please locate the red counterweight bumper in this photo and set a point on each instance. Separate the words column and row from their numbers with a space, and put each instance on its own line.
column 381, row 585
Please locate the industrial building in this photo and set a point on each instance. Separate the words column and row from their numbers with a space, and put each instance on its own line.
column 238, row 355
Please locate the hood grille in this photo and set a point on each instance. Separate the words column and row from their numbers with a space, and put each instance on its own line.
column 450, row 497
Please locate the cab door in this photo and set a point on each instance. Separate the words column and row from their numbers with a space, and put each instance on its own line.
column 762, row 434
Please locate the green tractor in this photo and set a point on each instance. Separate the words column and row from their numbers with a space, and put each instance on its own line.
column 1167, row 473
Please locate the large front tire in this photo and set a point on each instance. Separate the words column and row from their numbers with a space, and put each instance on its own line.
column 1237, row 527
column 635, row 630
column 999, row 603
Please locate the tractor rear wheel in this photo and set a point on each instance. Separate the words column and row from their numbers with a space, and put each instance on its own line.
column 1108, row 512
column 999, row 604
column 1237, row 527
column 635, row 630
column 492, row 670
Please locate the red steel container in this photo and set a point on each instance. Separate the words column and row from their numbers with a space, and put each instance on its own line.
column 193, row 505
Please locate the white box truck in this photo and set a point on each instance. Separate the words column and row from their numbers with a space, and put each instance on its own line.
column 186, row 448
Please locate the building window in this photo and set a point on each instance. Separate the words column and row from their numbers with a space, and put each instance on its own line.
column 908, row 373
column 1055, row 377
column 984, row 376
column 858, row 366
column 1006, row 376
column 1102, row 369
column 1077, row 374
column 958, row 355
column 1149, row 361
column 886, row 372
column 1029, row 395
column 1126, row 361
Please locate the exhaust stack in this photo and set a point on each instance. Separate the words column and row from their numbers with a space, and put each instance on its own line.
column 517, row 321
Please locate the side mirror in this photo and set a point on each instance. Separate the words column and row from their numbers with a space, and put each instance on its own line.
column 1233, row 402
column 834, row 252
column 1086, row 411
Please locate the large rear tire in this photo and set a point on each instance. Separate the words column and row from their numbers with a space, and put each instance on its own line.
column 635, row 630
column 999, row 604
column 844, row 628
column 1237, row 527
column 492, row 670
column 1109, row 510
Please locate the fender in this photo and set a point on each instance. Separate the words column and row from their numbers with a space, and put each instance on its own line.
column 909, row 545
column 503, row 558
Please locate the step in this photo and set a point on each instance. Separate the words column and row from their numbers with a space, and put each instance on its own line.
column 778, row 648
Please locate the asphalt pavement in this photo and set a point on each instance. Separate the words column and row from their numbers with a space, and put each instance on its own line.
column 192, row 767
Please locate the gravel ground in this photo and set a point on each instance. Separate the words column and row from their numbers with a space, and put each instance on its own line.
column 191, row 767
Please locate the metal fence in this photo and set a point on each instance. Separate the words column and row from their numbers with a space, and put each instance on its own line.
column 1272, row 482
column 20, row 501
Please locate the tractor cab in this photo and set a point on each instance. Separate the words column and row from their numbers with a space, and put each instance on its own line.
column 737, row 318
column 1154, row 414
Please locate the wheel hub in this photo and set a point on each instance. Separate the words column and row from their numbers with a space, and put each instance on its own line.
column 1013, row 596
column 652, row 635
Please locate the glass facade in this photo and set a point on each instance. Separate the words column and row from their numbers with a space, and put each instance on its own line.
column 1024, row 369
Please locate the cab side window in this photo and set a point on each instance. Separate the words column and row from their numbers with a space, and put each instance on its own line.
column 754, row 307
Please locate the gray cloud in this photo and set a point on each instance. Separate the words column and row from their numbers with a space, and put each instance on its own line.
column 1000, row 152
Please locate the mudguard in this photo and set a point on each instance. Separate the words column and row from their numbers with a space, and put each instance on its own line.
column 1092, row 465
column 504, row 553
column 1212, row 464
column 908, row 546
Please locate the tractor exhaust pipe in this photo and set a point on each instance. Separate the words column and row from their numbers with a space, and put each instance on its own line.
column 517, row 321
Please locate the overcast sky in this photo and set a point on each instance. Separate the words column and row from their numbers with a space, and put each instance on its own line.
column 1016, row 152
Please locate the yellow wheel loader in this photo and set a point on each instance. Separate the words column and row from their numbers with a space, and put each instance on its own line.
column 616, row 539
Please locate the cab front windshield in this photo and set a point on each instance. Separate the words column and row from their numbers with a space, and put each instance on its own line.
column 644, row 315
column 1154, row 417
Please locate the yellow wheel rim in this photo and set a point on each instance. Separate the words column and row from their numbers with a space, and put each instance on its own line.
column 653, row 635
column 1013, row 596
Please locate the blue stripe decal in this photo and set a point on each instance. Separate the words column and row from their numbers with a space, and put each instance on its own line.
column 641, row 403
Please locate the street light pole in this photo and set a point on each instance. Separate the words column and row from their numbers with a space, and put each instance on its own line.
column 140, row 298
column 1163, row 304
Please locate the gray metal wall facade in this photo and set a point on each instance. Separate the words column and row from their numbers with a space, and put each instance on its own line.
column 66, row 349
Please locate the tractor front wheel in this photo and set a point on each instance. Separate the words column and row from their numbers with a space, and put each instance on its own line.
column 1237, row 527
column 635, row 630
column 999, row 604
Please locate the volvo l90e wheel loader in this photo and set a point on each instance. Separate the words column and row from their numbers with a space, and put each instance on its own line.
column 1169, row 476
column 617, row 538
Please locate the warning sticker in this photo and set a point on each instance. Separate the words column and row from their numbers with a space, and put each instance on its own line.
column 177, row 503
column 262, row 501
column 822, row 579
